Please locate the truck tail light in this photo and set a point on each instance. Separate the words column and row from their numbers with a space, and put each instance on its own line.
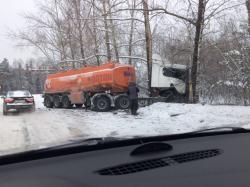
column 29, row 100
column 9, row 100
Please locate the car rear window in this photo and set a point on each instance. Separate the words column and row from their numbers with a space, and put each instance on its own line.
column 18, row 94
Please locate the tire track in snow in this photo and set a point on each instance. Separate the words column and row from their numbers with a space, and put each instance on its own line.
column 26, row 137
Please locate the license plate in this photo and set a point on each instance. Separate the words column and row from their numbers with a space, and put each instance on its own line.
column 20, row 101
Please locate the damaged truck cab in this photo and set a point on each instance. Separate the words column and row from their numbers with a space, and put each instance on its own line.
column 170, row 81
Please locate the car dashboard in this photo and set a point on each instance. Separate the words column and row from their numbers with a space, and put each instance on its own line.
column 220, row 160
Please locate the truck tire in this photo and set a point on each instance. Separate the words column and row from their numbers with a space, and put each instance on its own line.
column 102, row 104
column 78, row 105
column 170, row 96
column 48, row 102
column 122, row 102
column 66, row 103
column 143, row 102
column 57, row 102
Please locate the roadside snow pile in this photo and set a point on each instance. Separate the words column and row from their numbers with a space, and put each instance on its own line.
column 166, row 118
column 197, row 116
column 38, row 100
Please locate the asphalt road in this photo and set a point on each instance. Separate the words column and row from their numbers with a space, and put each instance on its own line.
column 33, row 130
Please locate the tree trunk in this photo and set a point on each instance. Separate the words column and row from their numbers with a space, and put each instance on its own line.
column 71, row 46
column 248, row 12
column 20, row 82
column 60, row 34
column 79, row 28
column 95, row 34
column 197, row 39
column 149, row 44
column 113, row 33
column 131, row 34
column 106, row 31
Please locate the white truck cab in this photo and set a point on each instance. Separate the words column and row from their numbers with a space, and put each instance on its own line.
column 169, row 78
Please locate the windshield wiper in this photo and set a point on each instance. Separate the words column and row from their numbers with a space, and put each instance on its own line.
column 70, row 148
column 94, row 141
column 105, row 140
column 87, row 142
column 219, row 129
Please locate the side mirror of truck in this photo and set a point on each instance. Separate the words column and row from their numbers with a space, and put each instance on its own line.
column 3, row 97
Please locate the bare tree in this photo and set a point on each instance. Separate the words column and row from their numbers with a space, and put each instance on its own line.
column 105, row 16
column 248, row 12
column 132, row 25
column 149, row 43
column 112, row 27
column 77, row 5
column 95, row 33
column 59, row 26
column 198, row 34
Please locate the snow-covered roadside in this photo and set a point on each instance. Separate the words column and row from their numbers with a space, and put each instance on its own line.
column 159, row 118
column 48, row 127
column 163, row 118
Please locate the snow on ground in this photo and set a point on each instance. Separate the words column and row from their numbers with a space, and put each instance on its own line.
column 48, row 127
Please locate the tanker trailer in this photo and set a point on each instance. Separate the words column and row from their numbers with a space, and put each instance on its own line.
column 106, row 86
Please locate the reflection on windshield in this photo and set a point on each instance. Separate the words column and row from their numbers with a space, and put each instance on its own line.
column 18, row 94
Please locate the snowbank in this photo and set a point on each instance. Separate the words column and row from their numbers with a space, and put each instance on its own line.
column 164, row 118
column 39, row 101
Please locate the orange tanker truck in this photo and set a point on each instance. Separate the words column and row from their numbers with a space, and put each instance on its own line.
column 105, row 86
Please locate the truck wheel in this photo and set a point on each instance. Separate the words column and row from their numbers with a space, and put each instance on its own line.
column 47, row 102
column 170, row 97
column 122, row 102
column 78, row 105
column 66, row 102
column 102, row 104
column 57, row 102
column 143, row 103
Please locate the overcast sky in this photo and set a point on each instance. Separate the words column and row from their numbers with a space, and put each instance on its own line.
column 10, row 18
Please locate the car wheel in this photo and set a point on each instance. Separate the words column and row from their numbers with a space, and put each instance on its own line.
column 102, row 104
column 5, row 113
column 4, row 110
column 66, row 102
column 122, row 102
column 33, row 109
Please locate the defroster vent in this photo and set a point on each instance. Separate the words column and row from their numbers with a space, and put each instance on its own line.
column 159, row 162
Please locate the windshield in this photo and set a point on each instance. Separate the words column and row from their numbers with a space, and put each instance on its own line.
column 83, row 69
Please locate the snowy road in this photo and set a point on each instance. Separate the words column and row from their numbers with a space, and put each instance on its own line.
column 47, row 127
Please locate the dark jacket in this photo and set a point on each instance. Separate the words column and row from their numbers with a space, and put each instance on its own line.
column 132, row 91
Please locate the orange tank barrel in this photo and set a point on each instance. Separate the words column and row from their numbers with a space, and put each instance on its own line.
column 111, row 77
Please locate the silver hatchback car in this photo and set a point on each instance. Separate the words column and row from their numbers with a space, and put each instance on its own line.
column 20, row 100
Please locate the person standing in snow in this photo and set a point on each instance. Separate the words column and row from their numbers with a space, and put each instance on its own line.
column 133, row 97
column 87, row 100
